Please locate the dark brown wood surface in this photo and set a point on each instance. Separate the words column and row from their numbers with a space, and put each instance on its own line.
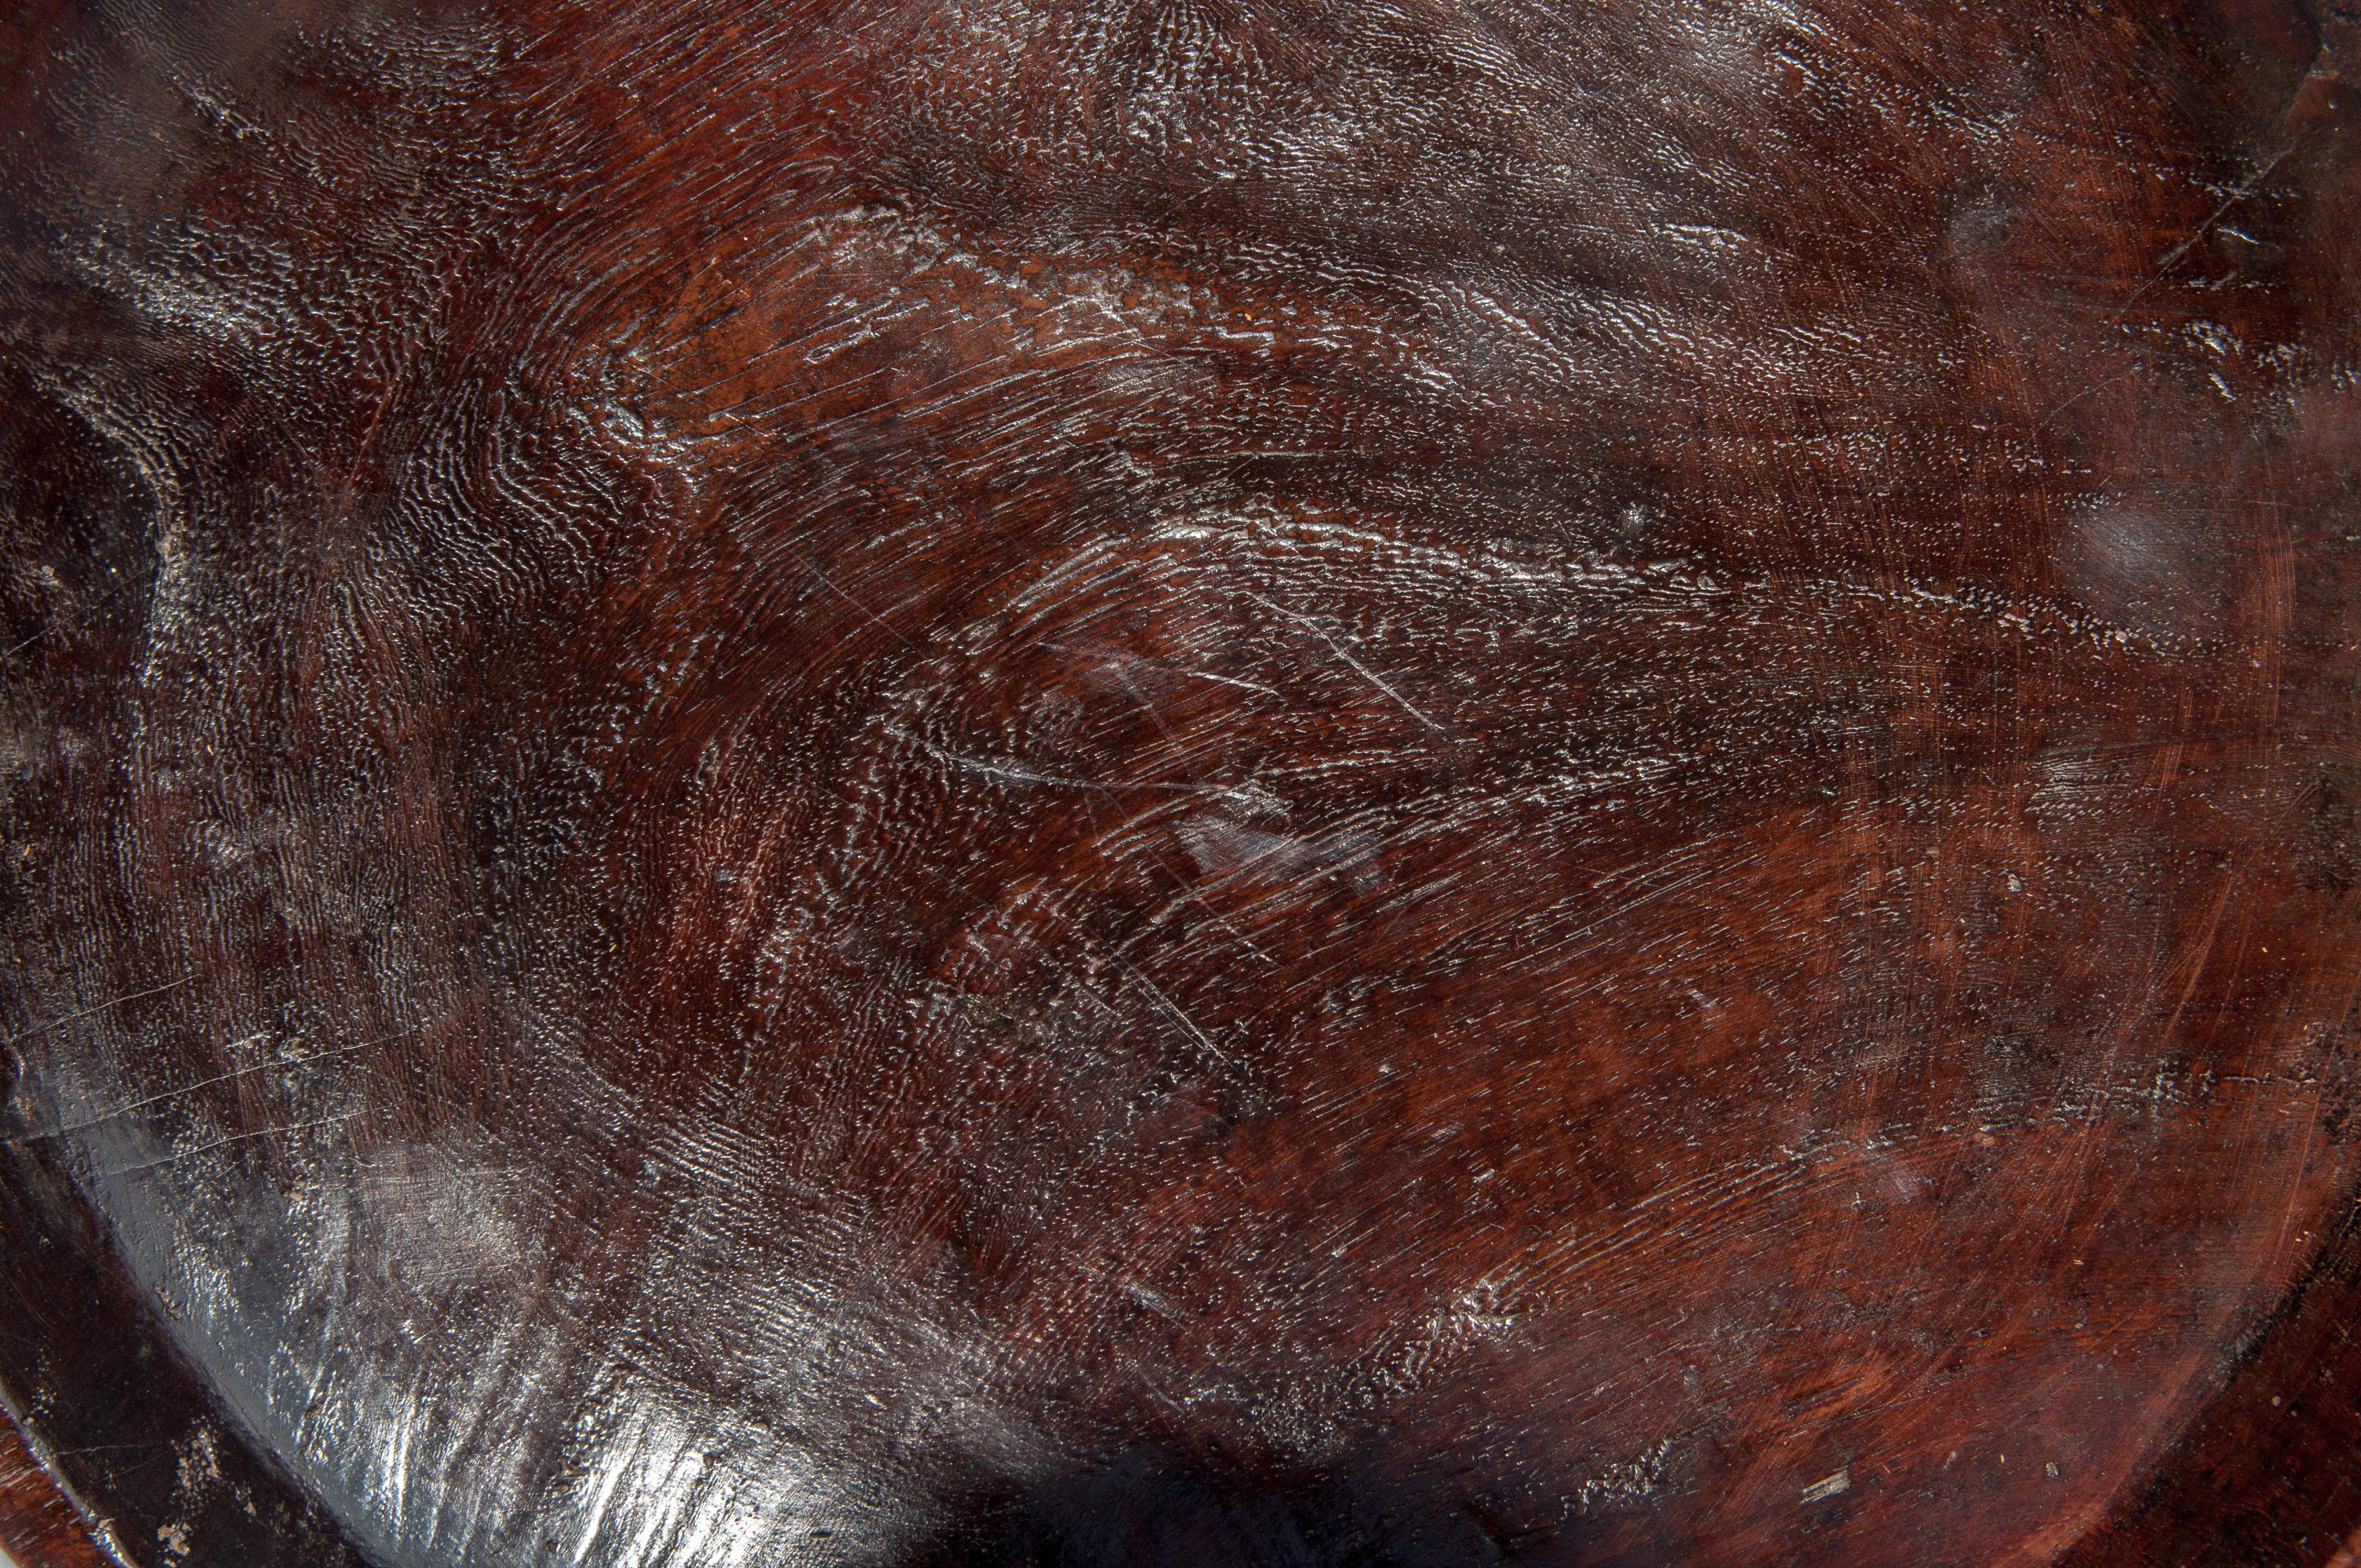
column 1180, row 781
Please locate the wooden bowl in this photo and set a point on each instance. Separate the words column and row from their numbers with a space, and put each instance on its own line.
column 1384, row 782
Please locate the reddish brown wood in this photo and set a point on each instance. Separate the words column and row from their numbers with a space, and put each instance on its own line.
column 1199, row 782
column 38, row 1528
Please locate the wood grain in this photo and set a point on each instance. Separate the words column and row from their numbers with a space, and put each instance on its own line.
column 1145, row 782
column 38, row 1528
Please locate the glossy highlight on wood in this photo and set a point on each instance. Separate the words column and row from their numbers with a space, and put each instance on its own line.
column 1137, row 782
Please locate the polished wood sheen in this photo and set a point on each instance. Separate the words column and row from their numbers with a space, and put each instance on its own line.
column 1141, row 783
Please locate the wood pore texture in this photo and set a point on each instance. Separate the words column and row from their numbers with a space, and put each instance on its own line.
column 1180, row 784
